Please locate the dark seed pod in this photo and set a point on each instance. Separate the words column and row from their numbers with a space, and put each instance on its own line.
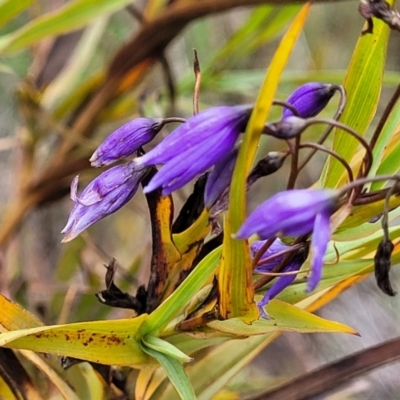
column 382, row 266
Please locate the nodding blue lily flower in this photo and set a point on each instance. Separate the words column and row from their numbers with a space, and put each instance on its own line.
column 195, row 146
column 294, row 213
column 126, row 140
column 309, row 99
column 103, row 196
column 283, row 281
column 219, row 179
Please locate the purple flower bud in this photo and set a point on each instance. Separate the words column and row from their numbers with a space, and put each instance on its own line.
column 219, row 178
column 103, row 196
column 294, row 213
column 126, row 140
column 195, row 146
column 309, row 99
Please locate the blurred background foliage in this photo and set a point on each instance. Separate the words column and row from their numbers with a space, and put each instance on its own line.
column 68, row 87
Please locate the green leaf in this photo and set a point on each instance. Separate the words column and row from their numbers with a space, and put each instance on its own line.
column 11, row 8
column 284, row 317
column 106, row 342
column 191, row 342
column 241, row 81
column 235, row 277
column 363, row 86
column 380, row 165
column 281, row 18
column 175, row 373
column 72, row 16
column 69, row 78
column 264, row 23
column 161, row 346
column 179, row 299
column 390, row 165
column 209, row 374
column 364, row 213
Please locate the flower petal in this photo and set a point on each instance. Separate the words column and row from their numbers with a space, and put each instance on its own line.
column 191, row 162
column 319, row 244
column 290, row 212
column 281, row 283
column 126, row 180
column 199, row 129
column 219, row 178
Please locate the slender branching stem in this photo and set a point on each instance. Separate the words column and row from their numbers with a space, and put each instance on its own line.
column 278, row 274
column 172, row 120
column 279, row 267
column 284, row 104
column 324, row 149
column 385, row 217
column 362, row 181
column 388, row 109
column 369, row 198
column 279, row 254
column 262, row 250
column 344, row 127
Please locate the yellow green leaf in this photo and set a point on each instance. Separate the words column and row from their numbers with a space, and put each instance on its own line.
column 175, row 373
column 70, row 17
column 284, row 317
column 213, row 371
column 10, row 8
column 160, row 345
column 197, row 231
column 363, row 84
column 106, row 342
column 13, row 316
column 179, row 299
column 235, row 277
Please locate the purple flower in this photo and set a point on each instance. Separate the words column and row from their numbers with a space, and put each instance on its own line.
column 103, row 196
column 195, row 146
column 219, row 179
column 309, row 99
column 126, row 140
column 283, row 281
column 294, row 213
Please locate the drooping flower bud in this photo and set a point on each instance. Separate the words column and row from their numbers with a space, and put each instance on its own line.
column 103, row 196
column 266, row 166
column 124, row 141
column 219, row 179
column 382, row 261
column 309, row 99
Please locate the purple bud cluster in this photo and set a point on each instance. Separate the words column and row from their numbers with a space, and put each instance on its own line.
column 208, row 143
